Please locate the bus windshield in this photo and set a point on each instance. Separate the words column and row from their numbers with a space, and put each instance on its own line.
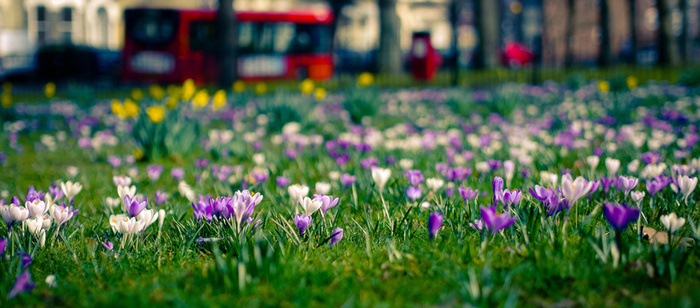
column 266, row 38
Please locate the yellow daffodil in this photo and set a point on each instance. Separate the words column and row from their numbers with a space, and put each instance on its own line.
column 6, row 100
column 365, row 79
column 156, row 92
column 320, row 93
column 138, row 154
column 239, row 86
column 603, row 86
column 188, row 89
column 156, row 113
column 632, row 82
column 137, row 95
column 172, row 102
column 307, row 86
column 50, row 90
column 219, row 100
column 260, row 88
column 131, row 109
column 118, row 108
column 200, row 99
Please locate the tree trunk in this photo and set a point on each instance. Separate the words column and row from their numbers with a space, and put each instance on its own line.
column 227, row 31
column 390, row 56
column 668, row 54
column 686, row 44
column 455, row 10
column 604, row 54
column 570, row 28
column 488, row 26
column 633, row 30
column 337, row 9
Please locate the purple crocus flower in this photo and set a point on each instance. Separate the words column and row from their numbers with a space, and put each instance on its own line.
column 302, row 221
column 253, row 223
column 434, row 224
column 347, row 180
column 108, row 245
column 415, row 177
column 327, row 203
column 161, row 197
column 607, row 182
column 33, row 194
column 651, row 158
column 22, row 284
column 114, row 161
column 495, row 221
column 25, row 259
column 626, row 184
column 497, row 185
column 655, row 185
column 260, row 175
column 154, row 172
column 282, row 181
column 511, row 197
column 202, row 210
column 541, row 193
column 620, row 215
column 133, row 206
column 177, row 173
column 201, row 163
column 337, row 236
column 467, row 193
column 413, row 193
column 494, row 164
column 3, row 245
column 449, row 192
column 369, row 163
column 56, row 192
column 478, row 224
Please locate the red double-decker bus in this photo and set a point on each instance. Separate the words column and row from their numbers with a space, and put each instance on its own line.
column 170, row 46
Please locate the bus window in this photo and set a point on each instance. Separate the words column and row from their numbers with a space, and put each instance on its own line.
column 203, row 36
column 152, row 28
column 282, row 38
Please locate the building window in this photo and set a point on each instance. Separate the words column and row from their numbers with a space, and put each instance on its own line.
column 103, row 28
column 66, row 25
column 41, row 25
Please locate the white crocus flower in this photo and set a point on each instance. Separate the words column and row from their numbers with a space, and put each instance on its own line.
column 310, row 206
column 259, row 158
column 147, row 218
column 633, row 166
column 124, row 191
column 406, row 164
column 115, row 219
column 685, row 186
column 323, row 188
column 298, row 191
column 161, row 219
column 613, row 165
column 637, row 196
column 51, row 281
column 61, row 214
column 593, row 161
column 547, row 178
column 184, row 190
column 37, row 208
column 34, row 225
column 573, row 190
column 72, row 171
column 380, row 177
column 71, row 189
column 672, row 222
column 129, row 226
column 434, row 183
column 112, row 202
column 19, row 213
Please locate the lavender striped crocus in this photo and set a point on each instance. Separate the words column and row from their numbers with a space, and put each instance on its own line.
column 22, row 284
column 161, row 197
column 108, row 245
column 655, row 185
column 282, row 181
column 620, row 215
column 511, row 197
column 413, row 193
column 337, row 236
column 467, row 193
column 56, row 192
column 497, row 186
column 177, row 173
column 415, row 177
column 626, row 184
column 154, row 172
column 347, row 180
column 434, row 224
column 495, row 221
